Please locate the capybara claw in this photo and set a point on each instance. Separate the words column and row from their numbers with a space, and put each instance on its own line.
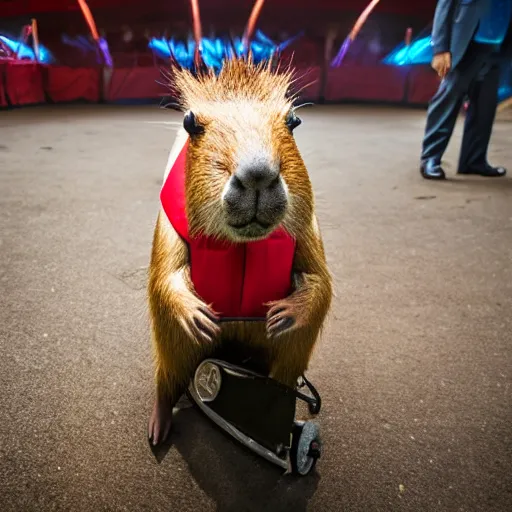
column 160, row 422
column 278, row 326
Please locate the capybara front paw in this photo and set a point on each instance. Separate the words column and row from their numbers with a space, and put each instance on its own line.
column 201, row 324
column 160, row 422
column 282, row 317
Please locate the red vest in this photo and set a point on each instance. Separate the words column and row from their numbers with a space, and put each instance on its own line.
column 236, row 278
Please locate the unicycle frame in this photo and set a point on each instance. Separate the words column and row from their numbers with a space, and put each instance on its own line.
column 205, row 387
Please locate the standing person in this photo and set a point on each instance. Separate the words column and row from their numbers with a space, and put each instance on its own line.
column 470, row 39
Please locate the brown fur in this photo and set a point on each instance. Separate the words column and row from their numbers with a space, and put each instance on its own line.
column 244, row 104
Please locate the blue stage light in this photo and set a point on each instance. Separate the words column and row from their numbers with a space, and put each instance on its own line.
column 504, row 92
column 26, row 52
column 421, row 52
column 80, row 42
column 215, row 50
column 418, row 52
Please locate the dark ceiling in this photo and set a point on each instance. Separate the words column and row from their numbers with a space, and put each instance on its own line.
column 34, row 7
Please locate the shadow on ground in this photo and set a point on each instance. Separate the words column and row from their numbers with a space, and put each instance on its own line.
column 231, row 475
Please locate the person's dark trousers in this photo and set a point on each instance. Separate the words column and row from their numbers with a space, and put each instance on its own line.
column 473, row 76
column 483, row 100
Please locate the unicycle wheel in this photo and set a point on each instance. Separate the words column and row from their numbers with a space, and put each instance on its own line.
column 306, row 447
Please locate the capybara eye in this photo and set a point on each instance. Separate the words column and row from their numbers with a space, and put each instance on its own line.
column 292, row 121
column 191, row 125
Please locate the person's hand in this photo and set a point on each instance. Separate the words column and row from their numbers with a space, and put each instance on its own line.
column 442, row 63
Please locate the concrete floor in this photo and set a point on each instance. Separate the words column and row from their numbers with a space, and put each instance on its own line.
column 414, row 368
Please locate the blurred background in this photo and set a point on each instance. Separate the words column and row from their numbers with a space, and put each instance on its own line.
column 49, row 52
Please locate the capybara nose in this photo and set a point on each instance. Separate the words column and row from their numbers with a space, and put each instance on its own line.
column 256, row 175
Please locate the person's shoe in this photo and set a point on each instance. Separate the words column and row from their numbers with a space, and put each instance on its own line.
column 432, row 170
column 487, row 171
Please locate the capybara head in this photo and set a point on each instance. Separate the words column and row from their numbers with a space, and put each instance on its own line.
column 244, row 173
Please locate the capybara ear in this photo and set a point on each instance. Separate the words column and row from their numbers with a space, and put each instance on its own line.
column 191, row 124
column 292, row 120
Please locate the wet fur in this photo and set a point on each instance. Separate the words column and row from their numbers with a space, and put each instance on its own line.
column 243, row 104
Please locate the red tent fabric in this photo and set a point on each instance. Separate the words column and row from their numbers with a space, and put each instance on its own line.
column 136, row 83
column 374, row 83
column 64, row 84
column 3, row 70
column 24, row 83
column 423, row 84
